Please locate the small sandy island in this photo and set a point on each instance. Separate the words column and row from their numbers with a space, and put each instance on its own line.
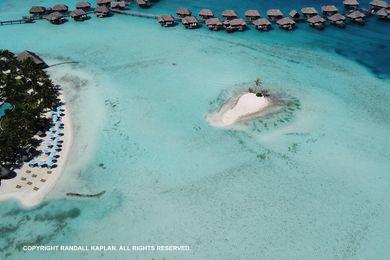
column 243, row 107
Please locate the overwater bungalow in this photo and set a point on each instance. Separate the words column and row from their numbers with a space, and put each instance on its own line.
column 262, row 24
column 34, row 57
column 286, row 23
column 317, row 22
column 190, row 22
column 60, row 8
column 103, row 2
column 37, row 10
column 351, row 4
column 183, row 12
column 337, row 19
column 56, row 18
column 274, row 15
column 252, row 15
column 328, row 10
column 166, row 20
column 234, row 25
column 79, row 15
column 214, row 24
column 294, row 15
column 143, row 3
column 383, row 14
column 121, row 5
column 102, row 11
column 229, row 14
column 357, row 17
column 205, row 14
column 308, row 12
column 83, row 5
column 376, row 5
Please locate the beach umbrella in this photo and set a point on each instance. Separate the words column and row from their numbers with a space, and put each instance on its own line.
column 47, row 144
column 60, row 133
column 52, row 129
column 32, row 163
column 42, row 163
column 58, row 140
column 57, row 148
column 53, row 156
column 51, row 136
column 55, row 118
column 51, row 165
column 60, row 125
column 61, row 109
column 52, row 113
column 45, row 152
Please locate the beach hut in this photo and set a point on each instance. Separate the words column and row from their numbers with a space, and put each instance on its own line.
column 357, row 17
column 337, row 19
column 214, row 24
column 308, row 12
column 229, row 14
column 317, row 22
column 274, row 15
column 294, row 15
column 351, row 4
column 121, row 5
column 376, row 5
column 102, row 11
column 252, row 15
column 166, row 20
column 235, row 25
column 286, row 23
column 328, row 10
column 190, row 22
column 35, row 58
column 83, row 5
column 60, row 8
column 262, row 24
column 37, row 10
column 103, row 3
column 143, row 3
column 79, row 15
column 56, row 18
column 383, row 14
column 183, row 12
column 205, row 14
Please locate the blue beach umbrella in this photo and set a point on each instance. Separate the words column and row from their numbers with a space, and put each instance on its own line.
column 60, row 109
column 58, row 140
column 32, row 163
column 51, row 136
column 51, row 165
column 60, row 133
column 42, row 163
column 45, row 152
column 53, row 157
column 52, row 129
column 47, row 144
column 57, row 148
column 52, row 113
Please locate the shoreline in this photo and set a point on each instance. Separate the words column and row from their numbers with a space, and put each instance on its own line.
column 39, row 177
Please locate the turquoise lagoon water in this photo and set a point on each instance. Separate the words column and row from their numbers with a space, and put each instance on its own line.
column 3, row 108
column 309, row 182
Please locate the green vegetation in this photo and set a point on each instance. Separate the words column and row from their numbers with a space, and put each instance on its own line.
column 260, row 92
column 32, row 94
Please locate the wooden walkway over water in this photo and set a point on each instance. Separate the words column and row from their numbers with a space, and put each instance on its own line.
column 133, row 13
column 18, row 21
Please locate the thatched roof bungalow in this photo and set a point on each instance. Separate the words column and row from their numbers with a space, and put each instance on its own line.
column 190, row 22
column 183, row 12
column 235, row 25
column 274, row 15
column 317, row 22
column 56, row 18
column 229, row 14
column 262, row 24
column 37, row 10
column 357, row 17
column 102, row 11
column 34, row 57
column 214, row 24
column 328, row 10
column 294, row 15
column 376, row 5
column 103, row 2
column 383, row 14
column 118, row 5
column 286, row 23
column 351, row 4
column 252, row 15
column 79, row 15
column 60, row 8
column 205, row 14
column 308, row 12
column 337, row 19
column 143, row 3
column 166, row 20
column 83, row 5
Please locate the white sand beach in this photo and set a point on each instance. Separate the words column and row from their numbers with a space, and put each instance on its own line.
column 240, row 108
column 32, row 184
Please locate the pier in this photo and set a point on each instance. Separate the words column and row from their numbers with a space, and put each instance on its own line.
column 18, row 21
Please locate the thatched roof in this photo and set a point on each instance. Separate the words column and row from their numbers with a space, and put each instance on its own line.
column 60, row 8
column 206, row 12
column 166, row 18
column 83, row 5
column 316, row 19
column 77, row 13
column 285, row 21
column 103, row 2
column 37, row 10
column 237, row 22
column 101, row 10
column 379, row 3
column 274, row 12
column 229, row 13
column 351, row 2
column 120, row 4
column 213, row 21
column 252, row 13
column 189, row 19
column 329, row 8
column 294, row 14
column 29, row 54
column 261, row 22
column 336, row 17
column 356, row 14
column 54, row 16
column 4, row 172
column 309, row 10
column 383, row 12
column 183, row 11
